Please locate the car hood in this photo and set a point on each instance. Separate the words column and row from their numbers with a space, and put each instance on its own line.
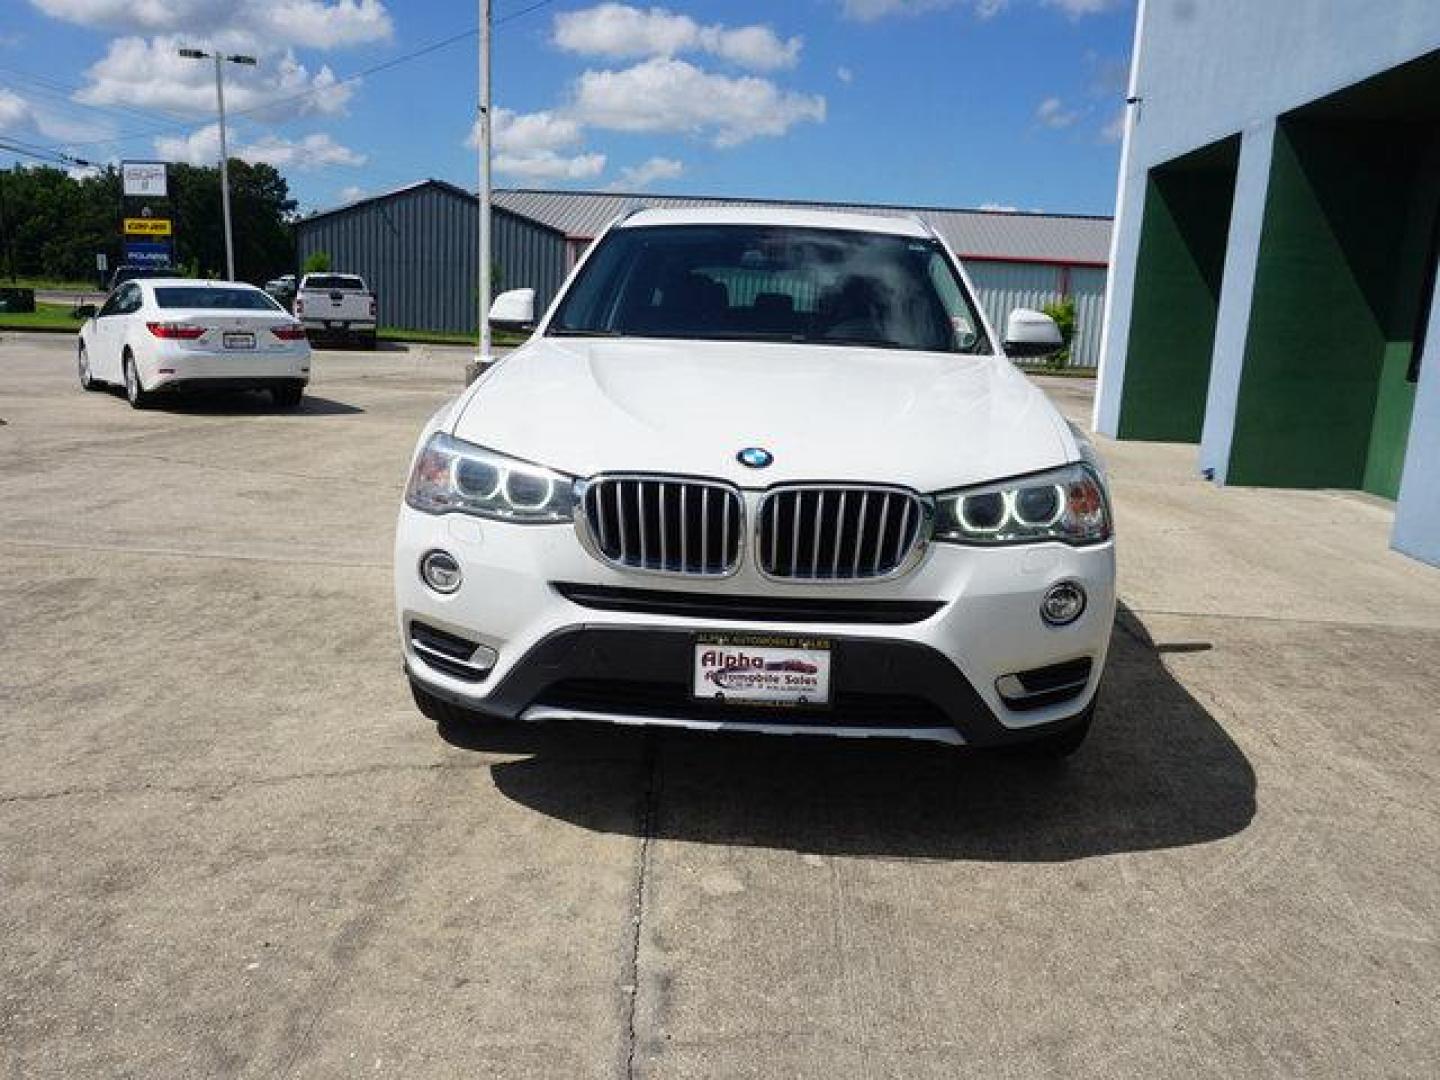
column 925, row 420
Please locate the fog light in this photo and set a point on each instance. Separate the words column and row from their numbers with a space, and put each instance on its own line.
column 440, row 571
column 1063, row 603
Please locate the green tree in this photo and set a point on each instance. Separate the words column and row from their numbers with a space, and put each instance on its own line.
column 1063, row 312
column 317, row 262
column 260, row 209
column 53, row 223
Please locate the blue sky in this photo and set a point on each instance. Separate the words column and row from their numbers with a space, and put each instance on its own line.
column 1007, row 103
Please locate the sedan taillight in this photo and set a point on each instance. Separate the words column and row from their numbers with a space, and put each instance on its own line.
column 176, row 330
column 372, row 307
column 289, row 332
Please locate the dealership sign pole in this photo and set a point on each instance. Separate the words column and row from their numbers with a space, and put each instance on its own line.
column 144, row 189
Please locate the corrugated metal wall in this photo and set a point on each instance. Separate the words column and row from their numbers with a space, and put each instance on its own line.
column 1005, row 286
column 416, row 250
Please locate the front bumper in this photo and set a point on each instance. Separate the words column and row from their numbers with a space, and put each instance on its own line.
column 972, row 618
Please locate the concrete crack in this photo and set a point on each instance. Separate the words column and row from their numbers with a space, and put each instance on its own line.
column 649, row 808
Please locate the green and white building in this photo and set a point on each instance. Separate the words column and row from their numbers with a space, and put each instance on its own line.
column 1273, row 271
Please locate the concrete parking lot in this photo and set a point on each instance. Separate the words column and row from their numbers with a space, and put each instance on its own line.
column 229, row 846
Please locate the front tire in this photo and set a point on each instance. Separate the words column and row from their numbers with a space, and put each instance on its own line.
column 82, row 364
column 135, row 392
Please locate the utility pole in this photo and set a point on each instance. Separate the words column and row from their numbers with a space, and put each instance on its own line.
column 220, row 60
column 485, row 191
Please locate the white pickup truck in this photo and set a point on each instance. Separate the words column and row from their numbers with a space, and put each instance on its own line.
column 337, row 306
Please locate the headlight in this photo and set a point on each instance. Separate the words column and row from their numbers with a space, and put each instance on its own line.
column 1067, row 504
column 451, row 476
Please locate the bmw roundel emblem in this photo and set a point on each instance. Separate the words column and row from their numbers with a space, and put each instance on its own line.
column 755, row 457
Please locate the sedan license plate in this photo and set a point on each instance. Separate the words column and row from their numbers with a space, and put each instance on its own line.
column 762, row 669
column 239, row 341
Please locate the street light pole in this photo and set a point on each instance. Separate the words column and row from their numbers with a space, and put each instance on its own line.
column 485, row 190
column 220, row 59
column 224, row 173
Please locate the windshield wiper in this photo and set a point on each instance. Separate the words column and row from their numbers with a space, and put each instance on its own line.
column 585, row 333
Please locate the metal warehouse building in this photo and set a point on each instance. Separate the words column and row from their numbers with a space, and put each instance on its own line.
column 416, row 248
column 1273, row 289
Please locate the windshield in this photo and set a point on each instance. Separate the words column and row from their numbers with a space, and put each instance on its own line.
column 218, row 299
column 333, row 281
column 768, row 283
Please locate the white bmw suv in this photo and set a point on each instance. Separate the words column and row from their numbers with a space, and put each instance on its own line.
column 761, row 470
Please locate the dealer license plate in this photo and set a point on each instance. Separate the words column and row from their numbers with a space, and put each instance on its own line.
column 239, row 341
column 762, row 669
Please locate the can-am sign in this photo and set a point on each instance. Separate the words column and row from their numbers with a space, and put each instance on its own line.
column 143, row 179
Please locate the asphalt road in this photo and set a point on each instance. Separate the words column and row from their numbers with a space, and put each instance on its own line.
column 230, row 847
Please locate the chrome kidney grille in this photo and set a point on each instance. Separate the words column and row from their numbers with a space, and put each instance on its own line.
column 664, row 525
column 835, row 532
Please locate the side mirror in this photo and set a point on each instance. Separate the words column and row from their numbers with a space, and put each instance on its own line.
column 84, row 311
column 1030, row 334
column 513, row 310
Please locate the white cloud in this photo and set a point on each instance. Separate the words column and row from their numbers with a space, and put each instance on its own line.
column 845, row 75
column 548, row 165
column 870, row 10
column 315, row 24
column 15, row 113
column 1114, row 129
column 665, row 94
column 998, row 208
column 1052, row 113
column 525, row 133
column 634, row 177
column 315, row 151
column 351, row 193
column 1079, row 8
column 621, row 32
column 150, row 73
column 528, row 145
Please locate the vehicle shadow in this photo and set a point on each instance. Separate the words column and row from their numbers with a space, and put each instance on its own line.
column 1157, row 772
column 251, row 403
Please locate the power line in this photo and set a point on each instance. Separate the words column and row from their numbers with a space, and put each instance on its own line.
column 51, row 157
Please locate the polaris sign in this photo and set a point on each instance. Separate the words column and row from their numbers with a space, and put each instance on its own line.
column 147, row 252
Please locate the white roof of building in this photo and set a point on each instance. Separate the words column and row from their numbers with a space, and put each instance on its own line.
column 1062, row 239
column 976, row 234
column 797, row 217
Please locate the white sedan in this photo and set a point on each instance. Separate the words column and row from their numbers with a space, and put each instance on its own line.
column 174, row 335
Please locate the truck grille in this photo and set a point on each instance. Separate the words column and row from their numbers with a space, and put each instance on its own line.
column 665, row 525
column 835, row 532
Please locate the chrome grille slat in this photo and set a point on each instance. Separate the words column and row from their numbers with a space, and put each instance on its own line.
column 860, row 534
column 880, row 541
column 664, row 524
column 837, row 532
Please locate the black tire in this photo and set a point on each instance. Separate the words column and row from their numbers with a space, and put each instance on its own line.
column 1063, row 743
column 82, row 365
column 287, row 397
column 369, row 341
column 443, row 713
column 135, row 393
